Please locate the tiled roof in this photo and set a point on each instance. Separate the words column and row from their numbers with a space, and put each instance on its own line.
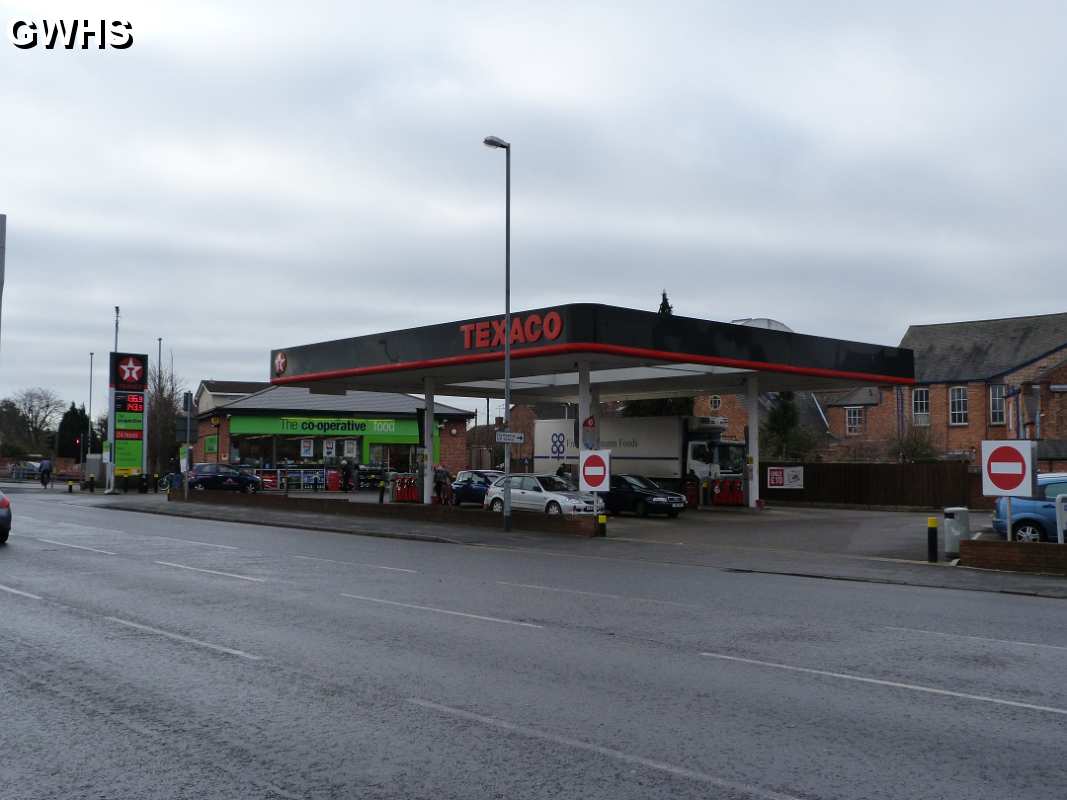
column 297, row 398
column 234, row 387
column 960, row 351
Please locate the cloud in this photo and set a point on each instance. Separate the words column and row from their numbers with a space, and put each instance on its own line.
column 254, row 175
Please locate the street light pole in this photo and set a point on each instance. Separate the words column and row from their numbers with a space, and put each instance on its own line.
column 497, row 142
column 89, row 433
column 156, row 409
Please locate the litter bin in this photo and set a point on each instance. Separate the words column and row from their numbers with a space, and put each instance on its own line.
column 957, row 526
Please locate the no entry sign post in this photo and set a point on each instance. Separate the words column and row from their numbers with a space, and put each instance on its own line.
column 594, row 475
column 1008, row 471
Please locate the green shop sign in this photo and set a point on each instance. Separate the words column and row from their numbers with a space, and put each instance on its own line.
column 325, row 426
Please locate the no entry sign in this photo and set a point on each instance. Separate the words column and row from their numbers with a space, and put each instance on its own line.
column 1008, row 468
column 594, row 470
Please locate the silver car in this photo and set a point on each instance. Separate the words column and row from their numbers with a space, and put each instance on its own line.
column 544, row 493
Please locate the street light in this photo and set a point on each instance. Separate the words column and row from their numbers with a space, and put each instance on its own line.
column 498, row 143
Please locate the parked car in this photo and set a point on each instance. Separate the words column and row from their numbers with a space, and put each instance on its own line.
column 5, row 517
column 1032, row 519
column 471, row 485
column 223, row 476
column 547, row 493
column 638, row 494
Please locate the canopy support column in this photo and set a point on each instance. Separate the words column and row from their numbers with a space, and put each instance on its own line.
column 427, row 440
column 752, row 401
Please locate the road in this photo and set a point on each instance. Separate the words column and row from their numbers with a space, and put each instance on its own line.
column 151, row 657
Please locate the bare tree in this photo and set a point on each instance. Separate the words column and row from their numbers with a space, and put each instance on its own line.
column 40, row 407
column 164, row 397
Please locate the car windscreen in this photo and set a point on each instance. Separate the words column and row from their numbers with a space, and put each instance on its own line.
column 639, row 482
column 551, row 483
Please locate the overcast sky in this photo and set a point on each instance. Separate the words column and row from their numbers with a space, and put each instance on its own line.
column 256, row 174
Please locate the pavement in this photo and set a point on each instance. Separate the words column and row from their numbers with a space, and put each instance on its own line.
column 145, row 655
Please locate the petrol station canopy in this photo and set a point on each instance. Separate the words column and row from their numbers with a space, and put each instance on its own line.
column 626, row 353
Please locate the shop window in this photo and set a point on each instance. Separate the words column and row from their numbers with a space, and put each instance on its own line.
column 996, row 404
column 855, row 420
column 957, row 405
column 920, row 406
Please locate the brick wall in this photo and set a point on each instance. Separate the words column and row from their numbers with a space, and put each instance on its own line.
column 731, row 406
column 454, row 454
column 205, row 429
column 1045, row 557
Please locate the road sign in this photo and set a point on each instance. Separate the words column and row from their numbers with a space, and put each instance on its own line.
column 1008, row 468
column 510, row 437
column 594, row 470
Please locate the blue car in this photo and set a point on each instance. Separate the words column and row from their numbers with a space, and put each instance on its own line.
column 470, row 485
column 1032, row 520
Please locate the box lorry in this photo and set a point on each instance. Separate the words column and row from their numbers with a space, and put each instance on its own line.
column 664, row 449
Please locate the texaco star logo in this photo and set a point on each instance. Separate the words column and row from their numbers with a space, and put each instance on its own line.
column 132, row 370
column 280, row 364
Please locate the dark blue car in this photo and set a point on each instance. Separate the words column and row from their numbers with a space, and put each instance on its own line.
column 1032, row 520
column 470, row 485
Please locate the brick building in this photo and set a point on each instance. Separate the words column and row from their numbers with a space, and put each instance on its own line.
column 986, row 379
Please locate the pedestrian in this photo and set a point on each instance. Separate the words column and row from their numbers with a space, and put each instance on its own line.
column 45, row 472
column 563, row 472
column 441, row 479
column 346, row 476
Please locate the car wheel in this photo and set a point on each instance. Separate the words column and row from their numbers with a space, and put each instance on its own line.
column 1026, row 532
column 3, row 536
column 198, row 486
column 641, row 509
column 553, row 508
column 497, row 506
column 673, row 514
column 249, row 488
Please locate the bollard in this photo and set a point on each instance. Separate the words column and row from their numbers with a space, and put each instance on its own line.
column 155, row 484
column 381, row 492
column 931, row 539
column 70, row 487
column 92, row 483
column 125, row 484
column 601, row 524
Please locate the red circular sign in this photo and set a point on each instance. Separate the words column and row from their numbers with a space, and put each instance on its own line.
column 1006, row 468
column 594, row 470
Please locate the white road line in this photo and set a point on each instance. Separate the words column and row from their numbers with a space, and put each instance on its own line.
column 975, row 638
column 191, row 541
column 895, row 684
column 563, row 591
column 598, row 594
column 609, row 752
column 19, row 592
column 212, row 571
column 357, row 564
column 186, row 639
column 441, row 611
column 77, row 546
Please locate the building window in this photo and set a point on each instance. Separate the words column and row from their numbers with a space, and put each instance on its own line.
column 920, row 406
column 716, row 402
column 854, row 420
column 957, row 405
column 996, row 404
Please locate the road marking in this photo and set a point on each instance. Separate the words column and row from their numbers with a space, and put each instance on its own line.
column 357, row 564
column 186, row 639
column 19, row 592
column 895, row 684
column 191, row 541
column 975, row 638
column 212, row 571
column 441, row 611
column 77, row 546
column 598, row 594
column 565, row 591
column 609, row 752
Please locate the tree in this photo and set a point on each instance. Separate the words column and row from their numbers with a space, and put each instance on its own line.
column 665, row 406
column 913, row 447
column 14, row 432
column 164, row 399
column 70, row 439
column 782, row 436
column 40, row 407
